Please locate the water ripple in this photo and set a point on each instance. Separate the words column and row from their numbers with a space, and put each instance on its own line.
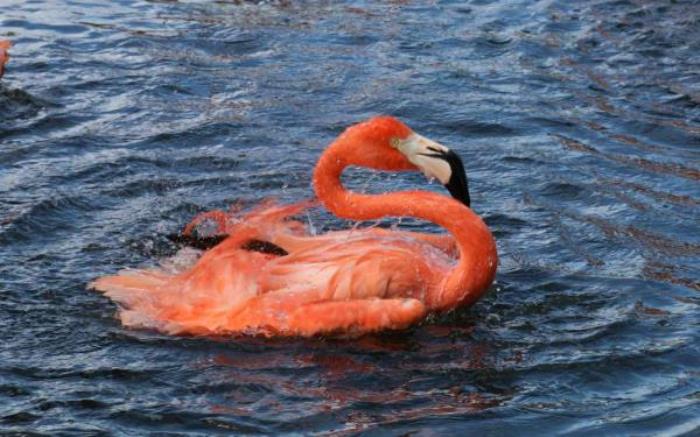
column 579, row 125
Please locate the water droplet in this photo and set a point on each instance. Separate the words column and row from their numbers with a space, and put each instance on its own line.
column 312, row 228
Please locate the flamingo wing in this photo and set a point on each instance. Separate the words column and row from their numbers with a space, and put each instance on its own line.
column 303, row 312
column 354, row 287
column 349, row 283
column 350, row 287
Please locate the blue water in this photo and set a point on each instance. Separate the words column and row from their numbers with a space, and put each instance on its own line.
column 579, row 126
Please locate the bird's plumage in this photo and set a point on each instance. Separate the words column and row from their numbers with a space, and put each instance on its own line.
column 344, row 282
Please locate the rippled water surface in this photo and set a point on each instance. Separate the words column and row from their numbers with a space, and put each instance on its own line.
column 579, row 125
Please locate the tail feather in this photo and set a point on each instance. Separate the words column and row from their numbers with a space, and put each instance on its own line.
column 196, row 294
column 129, row 279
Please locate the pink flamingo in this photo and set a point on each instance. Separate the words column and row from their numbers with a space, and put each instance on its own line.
column 345, row 282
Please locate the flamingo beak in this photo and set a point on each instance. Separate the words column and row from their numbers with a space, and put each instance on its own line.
column 436, row 162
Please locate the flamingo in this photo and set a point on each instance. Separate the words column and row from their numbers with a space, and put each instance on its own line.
column 344, row 283
column 4, row 56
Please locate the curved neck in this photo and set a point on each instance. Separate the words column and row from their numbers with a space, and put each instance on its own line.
column 470, row 278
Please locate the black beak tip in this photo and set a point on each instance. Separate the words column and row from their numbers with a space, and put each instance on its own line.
column 459, row 192
column 458, row 185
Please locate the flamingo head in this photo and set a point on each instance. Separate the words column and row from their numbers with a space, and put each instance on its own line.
column 385, row 143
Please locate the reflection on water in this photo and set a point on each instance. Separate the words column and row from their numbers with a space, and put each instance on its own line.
column 579, row 125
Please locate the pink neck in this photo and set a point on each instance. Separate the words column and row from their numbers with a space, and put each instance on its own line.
column 470, row 278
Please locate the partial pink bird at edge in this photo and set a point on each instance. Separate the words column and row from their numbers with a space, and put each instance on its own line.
column 4, row 55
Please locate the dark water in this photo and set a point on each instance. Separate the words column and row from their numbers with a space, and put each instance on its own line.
column 579, row 124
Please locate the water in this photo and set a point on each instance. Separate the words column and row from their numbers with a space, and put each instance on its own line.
column 579, row 125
